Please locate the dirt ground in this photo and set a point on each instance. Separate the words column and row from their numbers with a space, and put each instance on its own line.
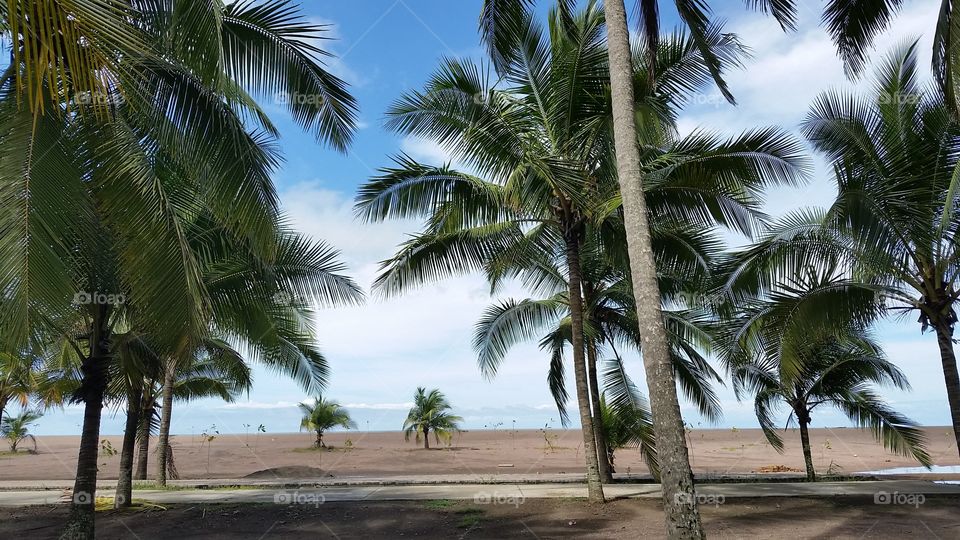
column 534, row 518
column 379, row 454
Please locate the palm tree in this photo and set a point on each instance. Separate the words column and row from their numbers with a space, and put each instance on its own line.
column 627, row 426
column 217, row 371
column 322, row 415
column 895, row 219
column 121, row 110
column 267, row 308
column 501, row 24
column 16, row 381
column 807, row 345
column 15, row 428
column 611, row 320
column 545, row 147
column 429, row 413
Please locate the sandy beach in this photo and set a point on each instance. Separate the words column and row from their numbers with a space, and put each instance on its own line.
column 357, row 455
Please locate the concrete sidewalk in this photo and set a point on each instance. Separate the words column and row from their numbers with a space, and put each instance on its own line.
column 884, row 492
column 418, row 479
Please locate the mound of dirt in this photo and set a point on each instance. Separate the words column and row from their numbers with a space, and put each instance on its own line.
column 294, row 471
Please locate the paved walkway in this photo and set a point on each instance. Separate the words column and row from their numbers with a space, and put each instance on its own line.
column 884, row 491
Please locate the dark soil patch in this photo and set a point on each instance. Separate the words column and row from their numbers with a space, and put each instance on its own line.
column 774, row 518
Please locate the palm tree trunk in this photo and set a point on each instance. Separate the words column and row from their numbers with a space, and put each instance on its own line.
column 948, row 359
column 143, row 435
column 805, row 443
column 594, row 481
column 163, row 438
column 319, row 441
column 3, row 406
column 603, row 456
column 679, row 496
column 124, row 495
column 80, row 524
column 426, row 439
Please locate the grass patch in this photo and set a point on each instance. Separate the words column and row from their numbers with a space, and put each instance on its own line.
column 102, row 504
column 469, row 517
column 439, row 504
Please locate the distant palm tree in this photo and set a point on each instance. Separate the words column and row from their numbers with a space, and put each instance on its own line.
column 15, row 428
column 429, row 413
column 322, row 415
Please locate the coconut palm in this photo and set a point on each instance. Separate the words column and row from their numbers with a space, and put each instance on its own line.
column 544, row 150
column 430, row 414
column 895, row 153
column 127, row 147
column 216, row 371
column 324, row 414
column 611, row 323
column 629, row 427
column 16, row 381
column 502, row 24
column 807, row 345
column 265, row 308
column 15, row 429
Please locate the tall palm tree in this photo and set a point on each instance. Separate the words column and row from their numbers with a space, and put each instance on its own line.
column 128, row 98
column 543, row 147
column 324, row 414
column 895, row 153
column 501, row 22
column 807, row 345
column 430, row 414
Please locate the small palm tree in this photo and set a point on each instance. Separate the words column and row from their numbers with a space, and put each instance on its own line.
column 14, row 428
column 323, row 415
column 429, row 413
column 625, row 426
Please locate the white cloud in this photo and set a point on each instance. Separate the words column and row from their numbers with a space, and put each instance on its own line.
column 787, row 72
column 380, row 406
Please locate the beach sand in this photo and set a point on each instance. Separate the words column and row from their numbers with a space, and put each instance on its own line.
column 357, row 455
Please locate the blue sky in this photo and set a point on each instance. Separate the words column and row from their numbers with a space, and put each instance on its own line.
column 379, row 353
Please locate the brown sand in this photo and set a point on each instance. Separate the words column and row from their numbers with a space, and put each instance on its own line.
column 767, row 518
column 478, row 453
